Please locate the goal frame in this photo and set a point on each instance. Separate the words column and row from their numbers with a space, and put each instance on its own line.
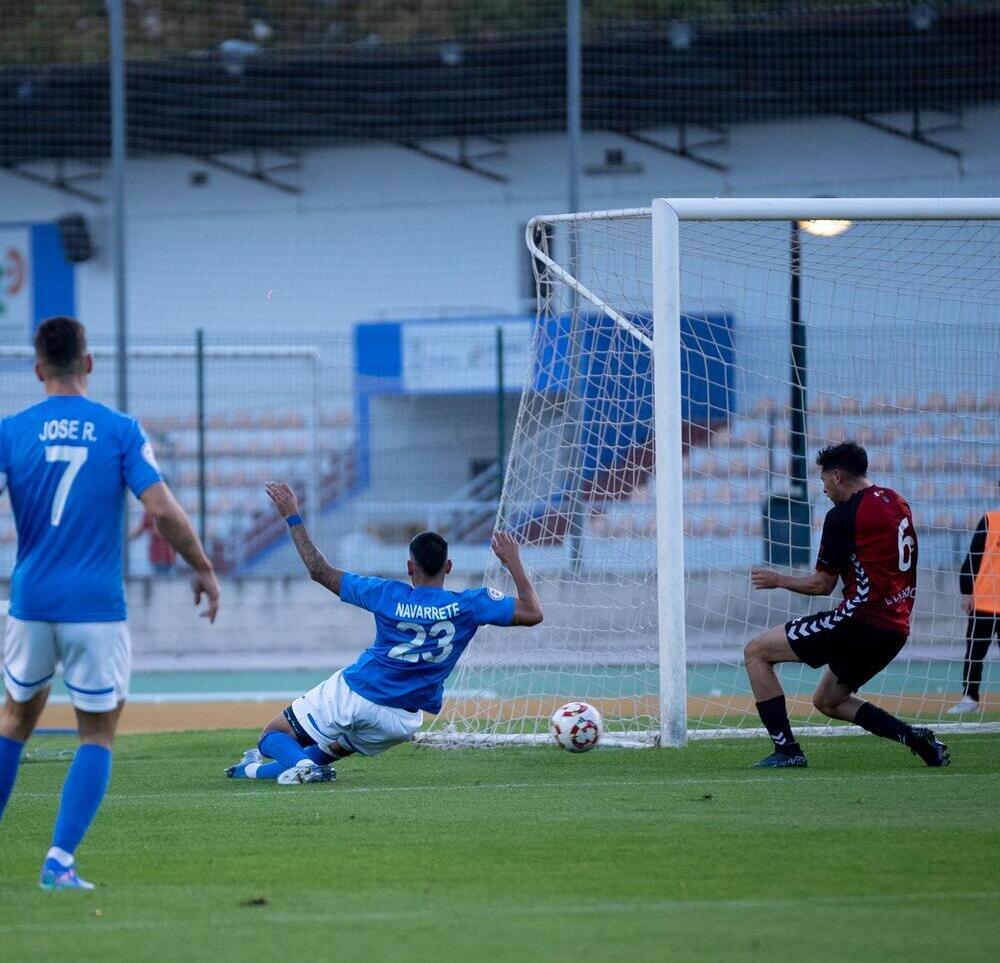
column 666, row 215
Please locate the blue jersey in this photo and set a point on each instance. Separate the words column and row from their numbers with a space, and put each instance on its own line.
column 420, row 633
column 67, row 462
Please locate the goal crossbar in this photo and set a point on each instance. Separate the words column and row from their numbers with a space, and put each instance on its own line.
column 801, row 208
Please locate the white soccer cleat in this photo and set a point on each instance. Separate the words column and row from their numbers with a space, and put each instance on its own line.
column 964, row 705
column 251, row 756
column 305, row 772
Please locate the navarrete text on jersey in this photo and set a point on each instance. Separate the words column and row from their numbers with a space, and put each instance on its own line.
column 408, row 610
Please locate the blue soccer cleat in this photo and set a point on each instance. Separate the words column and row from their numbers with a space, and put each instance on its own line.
column 926, row 746
column 239, row 771
column 55, row 876
column 781, row 760
column 307, row 772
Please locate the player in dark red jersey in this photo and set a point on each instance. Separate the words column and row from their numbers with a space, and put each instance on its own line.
column 870, row 544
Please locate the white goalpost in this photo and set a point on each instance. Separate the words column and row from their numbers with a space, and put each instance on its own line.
column 688, row 361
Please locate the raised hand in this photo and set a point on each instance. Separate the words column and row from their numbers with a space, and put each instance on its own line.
column 506, row 548
column 283, row 497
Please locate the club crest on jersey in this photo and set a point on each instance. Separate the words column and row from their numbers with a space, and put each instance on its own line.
column 494, row 594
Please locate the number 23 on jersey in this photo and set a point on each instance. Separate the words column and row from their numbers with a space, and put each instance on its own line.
column 442, row 632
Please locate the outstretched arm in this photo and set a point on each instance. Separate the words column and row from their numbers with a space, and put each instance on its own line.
column 816, row 583
column 528, row 607
column 319, row 569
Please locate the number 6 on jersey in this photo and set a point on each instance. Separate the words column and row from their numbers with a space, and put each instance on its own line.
column 905, row 544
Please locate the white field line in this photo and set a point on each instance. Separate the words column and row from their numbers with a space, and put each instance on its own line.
column 571, row 784
column 577, row 907
column 447, row 739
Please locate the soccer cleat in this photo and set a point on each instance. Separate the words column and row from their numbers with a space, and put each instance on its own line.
column 781, row 760
column 239, row 770
column 932, row 752
column 307, row 772
column 55, row 876
column 964, row 705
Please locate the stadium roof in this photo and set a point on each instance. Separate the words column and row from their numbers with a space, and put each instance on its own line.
column 239, row 97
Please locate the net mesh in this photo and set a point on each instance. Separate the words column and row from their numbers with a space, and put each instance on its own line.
column 261, row 415
column 902, row 341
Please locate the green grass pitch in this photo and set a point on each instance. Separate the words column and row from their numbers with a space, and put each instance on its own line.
column 520, row 855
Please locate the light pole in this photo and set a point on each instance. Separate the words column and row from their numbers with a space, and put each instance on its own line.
column 799, row 514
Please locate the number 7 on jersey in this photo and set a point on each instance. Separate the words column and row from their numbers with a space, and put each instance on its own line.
column 75, row 455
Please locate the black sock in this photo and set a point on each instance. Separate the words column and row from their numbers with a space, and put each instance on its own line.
column 774, row 715
column 879, row 723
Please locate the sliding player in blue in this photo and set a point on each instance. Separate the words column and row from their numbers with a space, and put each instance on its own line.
column 68, row 462
column 421, row 630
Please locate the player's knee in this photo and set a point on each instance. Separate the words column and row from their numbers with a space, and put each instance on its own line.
column 825, row 704
column 277, row 724
column 753, row 651
column 14, row 726
column 17, row 719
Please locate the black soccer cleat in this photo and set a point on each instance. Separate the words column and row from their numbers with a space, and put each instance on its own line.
column 782, row 760
column 932, row 752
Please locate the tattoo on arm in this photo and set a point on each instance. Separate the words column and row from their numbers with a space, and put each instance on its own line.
column 320, row 570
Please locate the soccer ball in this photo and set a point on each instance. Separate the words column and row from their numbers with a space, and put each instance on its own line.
column 576, row 726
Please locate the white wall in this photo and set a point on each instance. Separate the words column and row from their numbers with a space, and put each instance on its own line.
column 422, row 448
column 379, row 231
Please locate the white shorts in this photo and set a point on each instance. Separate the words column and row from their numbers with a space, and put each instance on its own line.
column 96, row 659
column 334, row 712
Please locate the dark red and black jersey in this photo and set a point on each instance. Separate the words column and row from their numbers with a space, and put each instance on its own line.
column 870, row 542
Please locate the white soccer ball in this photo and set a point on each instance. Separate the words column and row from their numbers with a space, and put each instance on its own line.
column 576, row 726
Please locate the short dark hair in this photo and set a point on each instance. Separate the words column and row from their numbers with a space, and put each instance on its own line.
column 61, row 342
column 848, row 456
column 430, row 551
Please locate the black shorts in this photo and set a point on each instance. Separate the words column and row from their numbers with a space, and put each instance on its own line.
column 301, row 736
column 855, row 651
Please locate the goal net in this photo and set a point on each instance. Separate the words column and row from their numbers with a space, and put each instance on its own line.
column 782, row 327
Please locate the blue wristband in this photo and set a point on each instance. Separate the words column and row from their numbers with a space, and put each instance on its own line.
column 294, row 520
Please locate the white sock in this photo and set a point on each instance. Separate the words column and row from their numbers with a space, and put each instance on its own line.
column 63, row 858
column 251, row 770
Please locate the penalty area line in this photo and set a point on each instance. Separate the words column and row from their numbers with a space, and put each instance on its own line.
column 340, row 789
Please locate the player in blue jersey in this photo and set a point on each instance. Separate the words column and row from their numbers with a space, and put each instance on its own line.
column 67, row 463
column 421, row 631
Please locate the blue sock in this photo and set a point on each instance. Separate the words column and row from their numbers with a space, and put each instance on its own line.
column 271, row 770
column 10, row 759
column 282, row 748
column 318, row 756
column 84, row 788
